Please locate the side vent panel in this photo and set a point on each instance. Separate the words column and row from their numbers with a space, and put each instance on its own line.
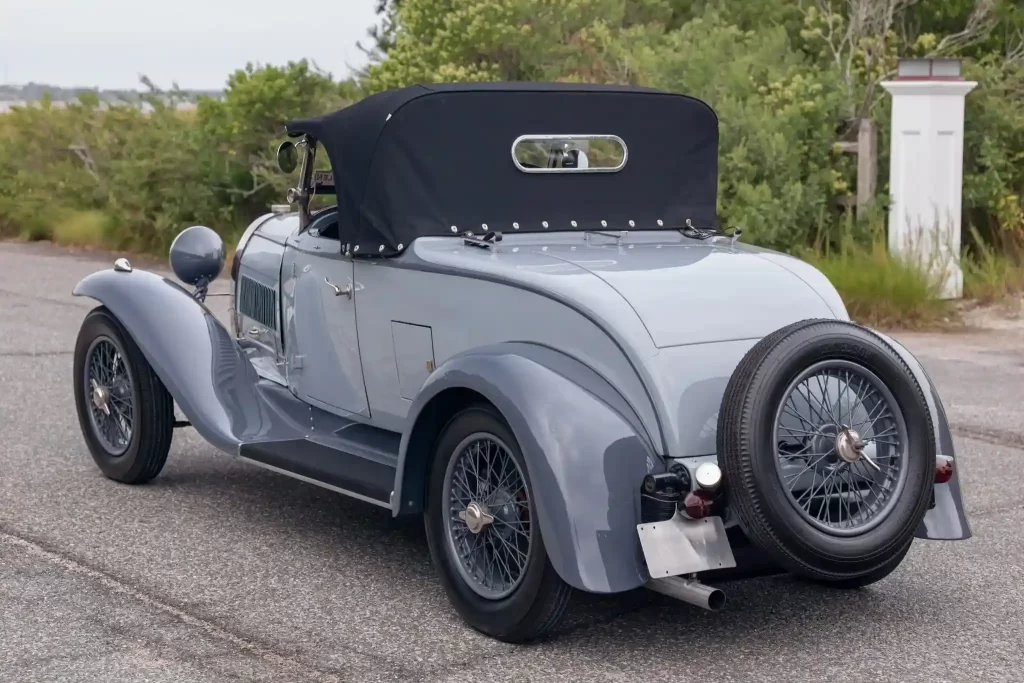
column 257, row 301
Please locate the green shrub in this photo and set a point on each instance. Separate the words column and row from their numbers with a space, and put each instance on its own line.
column 90, row 228
column 132, row 179
column 880, row 289
column 990, row 275
column 777, row 117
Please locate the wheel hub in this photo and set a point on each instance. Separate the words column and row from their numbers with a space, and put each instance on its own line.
column 101, row 397
column 476, row 516
column 849, row 446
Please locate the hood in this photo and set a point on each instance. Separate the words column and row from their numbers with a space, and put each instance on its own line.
column 682, row 291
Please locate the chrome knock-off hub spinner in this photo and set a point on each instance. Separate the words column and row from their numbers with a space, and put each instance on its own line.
column 476, row 516
column 101, row 397
column 849, row 446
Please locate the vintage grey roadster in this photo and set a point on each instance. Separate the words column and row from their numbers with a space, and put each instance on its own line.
column 522, row 321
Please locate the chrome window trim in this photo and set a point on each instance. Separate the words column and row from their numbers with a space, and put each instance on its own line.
column 569, row 138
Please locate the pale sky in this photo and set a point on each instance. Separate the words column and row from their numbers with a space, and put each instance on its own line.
column 108, row 43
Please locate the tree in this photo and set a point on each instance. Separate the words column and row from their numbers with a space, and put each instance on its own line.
column 464, row 40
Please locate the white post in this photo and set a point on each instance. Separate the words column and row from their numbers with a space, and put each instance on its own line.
column 926, row 168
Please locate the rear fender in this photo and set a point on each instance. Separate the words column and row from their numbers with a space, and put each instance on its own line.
column 946, row 519
column 203, row 368
column 584, row 448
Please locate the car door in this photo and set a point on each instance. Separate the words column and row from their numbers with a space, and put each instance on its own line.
column 322, row 345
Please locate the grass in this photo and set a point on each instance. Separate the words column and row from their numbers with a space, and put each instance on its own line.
column 81, row 228
column 991, row 276
column 71, row 228
column 881, row 290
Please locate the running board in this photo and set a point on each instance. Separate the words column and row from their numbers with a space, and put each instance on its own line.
column 363, row 468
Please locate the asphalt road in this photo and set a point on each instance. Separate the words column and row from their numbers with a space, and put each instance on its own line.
column 218, row 572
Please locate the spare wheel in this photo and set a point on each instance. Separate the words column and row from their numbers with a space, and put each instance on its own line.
column 828, row 449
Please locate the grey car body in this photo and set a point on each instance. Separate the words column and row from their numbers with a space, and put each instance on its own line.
column 607, row 353
column 601, row 376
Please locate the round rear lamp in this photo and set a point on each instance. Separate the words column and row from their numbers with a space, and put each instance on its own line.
column 696, row 505
column 708, row 476
column 943, row 469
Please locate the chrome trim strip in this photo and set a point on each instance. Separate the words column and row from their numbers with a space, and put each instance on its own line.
column 310, row 480
column 570, row 137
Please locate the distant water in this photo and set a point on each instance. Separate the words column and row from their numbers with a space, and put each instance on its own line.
column 7, row 105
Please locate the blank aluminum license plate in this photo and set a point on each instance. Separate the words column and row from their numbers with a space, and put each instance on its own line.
column 684, row 546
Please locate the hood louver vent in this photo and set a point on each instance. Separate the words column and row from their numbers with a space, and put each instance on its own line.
column 257, row 301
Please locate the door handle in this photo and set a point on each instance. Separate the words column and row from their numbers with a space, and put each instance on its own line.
column 338, row 291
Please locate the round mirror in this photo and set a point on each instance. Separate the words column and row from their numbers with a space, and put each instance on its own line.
column 287, row 156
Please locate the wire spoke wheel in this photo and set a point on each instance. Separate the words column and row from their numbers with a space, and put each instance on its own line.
column 840, row 447
column 110, row 395
column 488, row 523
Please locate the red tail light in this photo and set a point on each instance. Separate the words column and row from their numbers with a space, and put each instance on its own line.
column 943, row 469
column 696, row 505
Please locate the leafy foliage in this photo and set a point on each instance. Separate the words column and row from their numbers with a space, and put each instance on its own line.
column 788, row 79
column 155, row 170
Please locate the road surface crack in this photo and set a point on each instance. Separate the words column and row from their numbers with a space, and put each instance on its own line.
column 997, row 437
column 211, row 629
column 33, row 354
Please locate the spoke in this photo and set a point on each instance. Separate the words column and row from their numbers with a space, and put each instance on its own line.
column 825, row 396
column 887, row 413
column 844, row 393
column 499, row 562
column 801, row 455
column 507, row 479
column 820, row 487
column 799, row 431
column 489, row 464
column 806, row 467
column 512, row 560
column 473, row 458
column 871, row 413
column 498, row 520
column 863, row 397
column 465, row 490
column 873, row 486
column 124, row 434
column 826, row 503
column 820, row 413
column 786, row 410
column 520, row 556
column 852, row 490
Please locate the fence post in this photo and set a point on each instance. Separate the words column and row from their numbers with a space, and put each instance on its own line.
column 867, row 165
column 926, row 168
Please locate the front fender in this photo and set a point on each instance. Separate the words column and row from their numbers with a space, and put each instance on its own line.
column 946, row 520
column 199, row 362
column 585, row 453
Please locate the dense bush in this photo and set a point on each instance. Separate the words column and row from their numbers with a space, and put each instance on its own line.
column 787, row 78
column 153, row 172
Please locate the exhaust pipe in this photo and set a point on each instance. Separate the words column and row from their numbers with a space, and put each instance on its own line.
column 689, row 590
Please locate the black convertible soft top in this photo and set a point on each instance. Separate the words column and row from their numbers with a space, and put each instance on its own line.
column 419, row 160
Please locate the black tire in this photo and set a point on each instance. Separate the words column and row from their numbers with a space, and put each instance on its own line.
column 541, row 599
column 754, row 485
column 152, row 421
column 869, row 578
